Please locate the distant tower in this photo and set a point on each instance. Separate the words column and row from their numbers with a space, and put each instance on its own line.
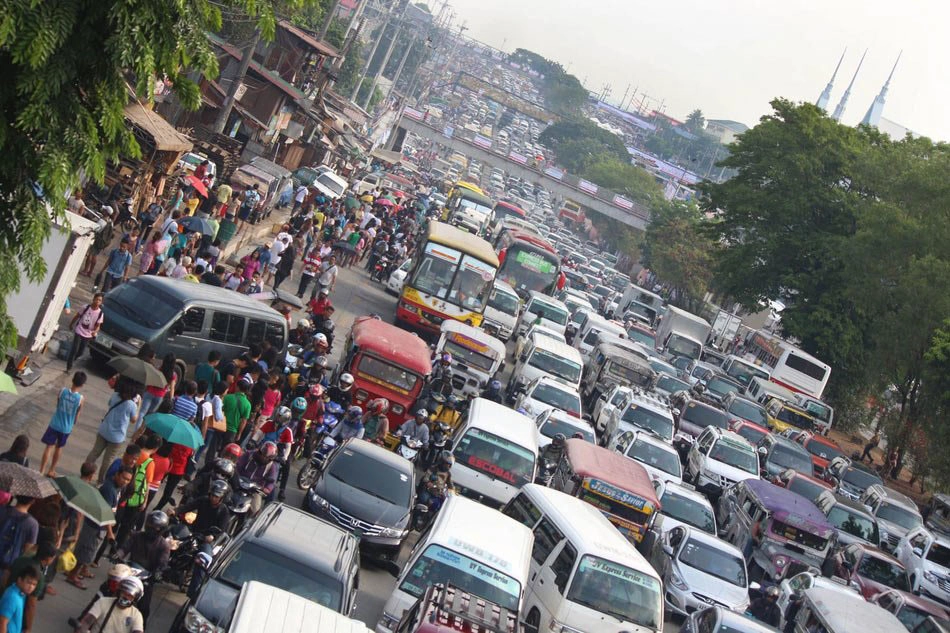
column 839, row 109
column 873, row 117
column 826, row 94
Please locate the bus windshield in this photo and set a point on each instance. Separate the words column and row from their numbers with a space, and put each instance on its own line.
column 526, row 269
column 449, row 275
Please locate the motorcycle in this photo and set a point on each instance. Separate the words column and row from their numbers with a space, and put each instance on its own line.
column 438, row 440
column 545, row 473
column 309, row 473
column 409, row 448
column 427, row 506
column 240, row 504
column 185, row 546
column 380, row 270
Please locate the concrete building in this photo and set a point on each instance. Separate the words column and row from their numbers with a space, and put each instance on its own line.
column 724, row 130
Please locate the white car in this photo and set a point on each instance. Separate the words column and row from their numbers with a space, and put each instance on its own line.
column 190, row 161
column 397, row 278
column 546, row 392
column 926, row 556
column 720, row 458
column 616, row 397
column 799, row 583
column 683, row 505
column 532, row 333
column 554, row 421
column 659, row 458
column 699, row 569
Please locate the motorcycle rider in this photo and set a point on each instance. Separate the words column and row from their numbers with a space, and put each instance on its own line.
column 280, row 430
column 351, row 425
column 375, row 422
column 765, row 608
column 340, row 393
column 553, row 451
column 318, row 306
column 221, row 469
column 493, row 392
column 301, row 334
column 149, row 550
column 417, row 428
column 318, row 372
column 448, row 412
column 210, row 512
column 260, row 468
column 437, row 481
column 118, row 614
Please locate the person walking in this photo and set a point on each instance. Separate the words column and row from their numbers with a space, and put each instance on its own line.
column 237, row 410
column 123, row 412
column 91, row 535
column 68, row 406
column 286, row 264
column 116, row 269
column 870, row 446
column 311, row 265
column 328, row 274
column 85, row 326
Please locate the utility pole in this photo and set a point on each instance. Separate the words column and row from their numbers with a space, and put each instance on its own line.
column 228, row 104
column 372, row 53
column 389, row 52
column 402, row 63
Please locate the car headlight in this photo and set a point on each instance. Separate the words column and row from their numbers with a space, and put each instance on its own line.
column 318, row 500
column 397, row 409
column 557, row 627
column 392, row 533
column 197, row 623
column 135, row 342
column 930, row 576
column 678, row 582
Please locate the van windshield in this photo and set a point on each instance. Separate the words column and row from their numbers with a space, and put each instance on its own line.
column 468, row 356
column 617, row 590
column 553, row 313
column 558, row 366
column 504, row 302
column 148, row 307
column 496, row 457
column 745, row 373
column 441, row 565
column 651, row 421
column 749, row 411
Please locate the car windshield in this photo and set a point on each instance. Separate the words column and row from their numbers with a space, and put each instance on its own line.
column 886, row 572
column 822, row 450
column 735, row 455
column 787, row 457
column 806, row 488
column 744, row 373
column 703, row 416
column 148, row 307
column 553, row 313
column 559, row 366
column 861, row 479
column 504, row 302
column 327, row 181
column 652, row 455
column 671, row 385
column 638, row 335
column 356, row 470
column 689, row 511
column 553, row 396
column 496, row 457
column 438, row 564
column 721, row 387
column 553, row 425
column 899, row 515
column 751, row 434
column 379, row 371
column 940, row 555
column 748, row 411
column 617, row 590
column 714, row 561
column 650, row 420
column 680, row 346
column 468, row 356
column 253, row 562
column 853, row 523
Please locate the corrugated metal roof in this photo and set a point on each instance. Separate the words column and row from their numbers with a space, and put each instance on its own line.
column 167, row 138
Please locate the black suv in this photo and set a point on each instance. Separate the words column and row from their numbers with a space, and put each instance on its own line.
column 286, row 548
column 368, row 490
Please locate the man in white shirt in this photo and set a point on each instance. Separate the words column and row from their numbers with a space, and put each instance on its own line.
column 327, row 278
column 299, row 196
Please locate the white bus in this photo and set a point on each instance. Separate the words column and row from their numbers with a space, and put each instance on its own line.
column 790, row 367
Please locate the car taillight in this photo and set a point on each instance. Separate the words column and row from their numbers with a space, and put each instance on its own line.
column 361, row 394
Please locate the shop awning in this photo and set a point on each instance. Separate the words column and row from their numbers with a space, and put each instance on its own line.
column 166, row 138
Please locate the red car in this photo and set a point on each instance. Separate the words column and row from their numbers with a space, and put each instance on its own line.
column 748, row 430
column 911, row 610
column 869, row 568
column 821, row 449
column 805, row 485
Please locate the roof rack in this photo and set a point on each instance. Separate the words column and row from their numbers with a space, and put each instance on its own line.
column 456, row 608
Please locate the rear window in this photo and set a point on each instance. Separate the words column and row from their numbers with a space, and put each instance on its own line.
column 822, row 450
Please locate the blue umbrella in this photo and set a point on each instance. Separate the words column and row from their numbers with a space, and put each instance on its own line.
column 174, row 429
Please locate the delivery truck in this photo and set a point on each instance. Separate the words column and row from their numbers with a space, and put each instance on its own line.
column 681, row 333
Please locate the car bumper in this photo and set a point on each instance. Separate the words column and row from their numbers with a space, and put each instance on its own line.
column 934, row 592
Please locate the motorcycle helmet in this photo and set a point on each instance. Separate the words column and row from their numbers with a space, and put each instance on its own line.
column 224, row 468
column 156, row 521
column 452, row 401
column 119, row 571
column 494, row 385
column 328, row 324
column 422, row 413
column 772, row 593
column 320, row 339
column 283, row 414
column 219, row 489
column 324, row 292
column 346, row 381
column 446, row 358
column 558, row 440
column 303, row 323
column 354, row 412
column 232, row 451
column 268, row 450
column 322, row 362
column 132, row 586
column 299, row 404
column 378, row 406
column 316, row 391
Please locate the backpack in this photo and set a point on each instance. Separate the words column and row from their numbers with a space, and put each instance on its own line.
column 139, row 485
column 198, row 419
column 12, row 536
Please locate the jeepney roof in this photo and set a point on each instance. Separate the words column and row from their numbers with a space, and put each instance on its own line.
column 590, row 460
column 477, row 335
column 401, row 347
column 629, row 356
column 790, row 507
column 851, row 614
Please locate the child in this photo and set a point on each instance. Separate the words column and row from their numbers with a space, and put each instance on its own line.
column 64, row 418
column 13, row 602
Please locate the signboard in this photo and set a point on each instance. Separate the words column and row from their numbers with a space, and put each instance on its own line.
column 622, row 202
column 535, row 263
column 613, row 492
column 586, row 185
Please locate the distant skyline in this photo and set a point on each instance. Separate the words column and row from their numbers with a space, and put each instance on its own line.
column 730, row 59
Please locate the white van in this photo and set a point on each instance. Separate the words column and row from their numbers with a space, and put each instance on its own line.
column 265, row 609
column 591, row 326
column 474, row 548
column 545, row 356
column 330, row 185
column 501, row 312
column 585, row 576
column 553, row 313
column 496, row 453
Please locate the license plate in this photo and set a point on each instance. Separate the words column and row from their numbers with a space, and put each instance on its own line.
column 105, row 340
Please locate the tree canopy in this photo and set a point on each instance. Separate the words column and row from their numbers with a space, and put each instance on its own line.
column 563, row 92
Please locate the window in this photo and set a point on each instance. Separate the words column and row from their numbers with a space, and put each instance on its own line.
column 255, row 332
column 563, row 565
column 546, row 538
column 522, row 510
column 228, row 328
column 274, row 334
column 193, row 320
column 805, row 366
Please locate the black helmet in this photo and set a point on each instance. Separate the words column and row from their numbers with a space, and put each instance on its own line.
column 156, row 521
column 224, row 467
column 219, row 488
column 559, row 440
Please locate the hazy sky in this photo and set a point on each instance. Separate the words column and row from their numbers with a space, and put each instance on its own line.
column 731, row 57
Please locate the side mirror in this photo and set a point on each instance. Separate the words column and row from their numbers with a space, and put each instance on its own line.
column 179, row 328
column 918, row 552
column 754, row 586
column 523, row 357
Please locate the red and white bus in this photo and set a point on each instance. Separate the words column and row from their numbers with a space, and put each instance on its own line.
column 791, row 367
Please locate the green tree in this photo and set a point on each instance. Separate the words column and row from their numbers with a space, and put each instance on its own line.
column 69, row 67
column 695, row 121
column 678, row 249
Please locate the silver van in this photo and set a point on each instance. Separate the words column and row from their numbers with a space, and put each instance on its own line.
column 186, row 319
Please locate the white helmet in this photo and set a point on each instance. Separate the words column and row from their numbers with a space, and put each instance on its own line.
column 303, row 323
column 346, row 381
column 320, row 338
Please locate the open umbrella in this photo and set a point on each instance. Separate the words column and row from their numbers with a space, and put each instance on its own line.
column 20, row 480
column 6, row 383
column 138, row 370
column 194, row 224
column 174, row 429
column 366, row 197
column 400, row 194
column 385, row 202
column 351, row 202
column 198, row 184
column 84, row 498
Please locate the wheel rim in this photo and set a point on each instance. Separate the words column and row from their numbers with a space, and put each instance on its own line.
column 306, row 478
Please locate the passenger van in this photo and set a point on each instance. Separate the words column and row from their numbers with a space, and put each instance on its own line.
column 552, row 313
column 262, row 608
column 830, row 611
column 584, row 575
column 496, row 453
column 186, row 319
column 476, row 356
column 545, row 356
column 742, row 370
column 501, row 312
column 473, row 548
column 589, row 329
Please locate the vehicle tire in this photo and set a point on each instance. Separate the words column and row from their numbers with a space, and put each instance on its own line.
column 181, row 368
column 307, row 476
column 532, row 623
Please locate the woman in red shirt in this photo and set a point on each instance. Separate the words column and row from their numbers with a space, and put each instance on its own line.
column 176, row 472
